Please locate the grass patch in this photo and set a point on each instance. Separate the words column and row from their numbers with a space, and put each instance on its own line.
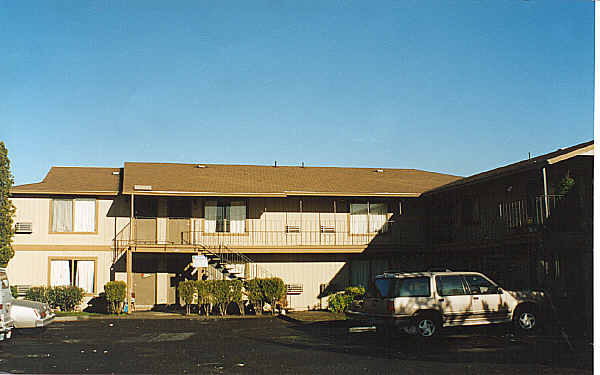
column 76, row 313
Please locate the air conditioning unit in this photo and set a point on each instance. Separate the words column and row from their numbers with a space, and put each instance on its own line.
column 292, row 228
column 24, row 227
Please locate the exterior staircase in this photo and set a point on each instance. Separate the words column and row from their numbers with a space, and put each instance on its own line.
column 230, row 263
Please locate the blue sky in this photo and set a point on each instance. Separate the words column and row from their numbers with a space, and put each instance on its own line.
column 457, row 87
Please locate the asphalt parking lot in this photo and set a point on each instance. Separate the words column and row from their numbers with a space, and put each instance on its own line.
column 279, row 346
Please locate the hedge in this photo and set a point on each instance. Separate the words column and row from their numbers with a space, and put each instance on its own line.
column 187, row 290
column 66, row 298
column 341, row 301
column 115, row 294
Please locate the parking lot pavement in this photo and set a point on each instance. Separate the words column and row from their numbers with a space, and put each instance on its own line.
column 276, row 346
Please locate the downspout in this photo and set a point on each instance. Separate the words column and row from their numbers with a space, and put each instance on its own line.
column 545, row 192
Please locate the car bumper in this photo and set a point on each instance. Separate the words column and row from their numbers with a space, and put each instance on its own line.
column 39, row 323
column 7, row 330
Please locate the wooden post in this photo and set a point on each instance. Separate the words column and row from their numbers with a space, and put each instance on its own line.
column 129, row 258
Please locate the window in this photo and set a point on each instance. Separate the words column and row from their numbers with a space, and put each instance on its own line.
column 407, row 287
column 227, row 217
column 450, row 285
column 367, row 217
column 74, row 215
column 73, row 272
column 480, row 285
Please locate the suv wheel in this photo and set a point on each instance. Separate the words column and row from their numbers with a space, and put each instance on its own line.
column 427, row 325
column 526, row 318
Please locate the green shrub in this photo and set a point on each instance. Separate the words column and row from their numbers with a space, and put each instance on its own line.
column 255, row 294
column 340, row 302
column 205, row 296
column 66, row 297
column 39, row 293
column 337, row 303
column 221, row 292
column 187, row 290
column 13, row 291
column 116, row 292
column 273, row 290
column 235, row 296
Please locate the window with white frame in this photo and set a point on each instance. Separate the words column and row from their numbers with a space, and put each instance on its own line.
column 74, row 215
column 73, row 272
column 227, row 217
column 367, row 217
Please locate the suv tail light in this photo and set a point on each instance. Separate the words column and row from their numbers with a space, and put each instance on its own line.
column 1, row 306
column 390, row 306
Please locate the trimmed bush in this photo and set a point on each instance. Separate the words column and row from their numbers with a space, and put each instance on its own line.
column 187, row 290
column 235, row 295
column 115, row 292
column 255, row 294
column 340, row 302
column 39, row 294
column 66, row 297
column 273, row 290
column 205, row 296
column 13, row 291
column 221, row 292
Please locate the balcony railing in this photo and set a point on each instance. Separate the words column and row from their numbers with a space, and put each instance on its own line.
column 262, row 233
column 516, row 217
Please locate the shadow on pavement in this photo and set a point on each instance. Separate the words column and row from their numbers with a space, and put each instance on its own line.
column 493, row 344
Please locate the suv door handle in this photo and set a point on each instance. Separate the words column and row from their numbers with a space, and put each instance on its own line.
column 441, row 300
column 475, row 297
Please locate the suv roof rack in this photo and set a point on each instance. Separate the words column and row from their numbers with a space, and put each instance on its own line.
column 439, row 270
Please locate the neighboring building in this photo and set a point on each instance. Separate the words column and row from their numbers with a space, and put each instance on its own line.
column 528, row 224
column 304, row 225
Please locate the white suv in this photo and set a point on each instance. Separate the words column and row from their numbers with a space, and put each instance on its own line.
column 6, row 322
column 423, row 302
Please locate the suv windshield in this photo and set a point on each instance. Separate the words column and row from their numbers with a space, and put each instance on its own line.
column 406, row 287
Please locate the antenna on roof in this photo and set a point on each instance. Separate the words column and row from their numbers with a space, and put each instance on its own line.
column 275, row 164
column 529, row 155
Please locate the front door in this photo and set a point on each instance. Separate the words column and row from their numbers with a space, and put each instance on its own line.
column 454, row 300
column 488, row 305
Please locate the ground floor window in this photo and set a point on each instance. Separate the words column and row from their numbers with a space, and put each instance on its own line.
column 73, row 272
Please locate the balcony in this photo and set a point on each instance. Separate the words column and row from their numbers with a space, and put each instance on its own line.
column 343, row 231
column 552, row 212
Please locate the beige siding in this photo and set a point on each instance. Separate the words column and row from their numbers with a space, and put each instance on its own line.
column 37, row 211
column 31, row 267
column 310, row 275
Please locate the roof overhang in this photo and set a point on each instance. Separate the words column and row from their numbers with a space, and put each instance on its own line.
column 267, row 195
column 584, row 151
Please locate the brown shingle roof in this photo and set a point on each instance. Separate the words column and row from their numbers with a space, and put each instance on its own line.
column 216, row 179
column 537, row 162
column 74, row 180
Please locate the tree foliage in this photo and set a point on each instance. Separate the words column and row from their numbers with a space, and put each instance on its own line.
column 7, row 209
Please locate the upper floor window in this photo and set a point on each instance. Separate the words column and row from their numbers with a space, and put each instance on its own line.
column 74, row 215
column 227, row 217
column 367, row 217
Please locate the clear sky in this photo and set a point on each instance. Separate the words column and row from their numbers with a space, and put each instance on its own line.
column 457, row 87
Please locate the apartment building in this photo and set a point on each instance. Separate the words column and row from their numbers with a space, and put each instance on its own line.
column 319, row 229
column 527, row 225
